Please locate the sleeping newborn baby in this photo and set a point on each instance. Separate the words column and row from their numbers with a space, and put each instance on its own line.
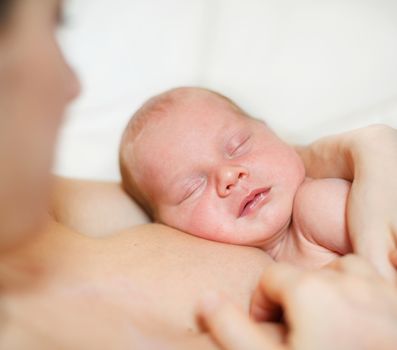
column 197, row 162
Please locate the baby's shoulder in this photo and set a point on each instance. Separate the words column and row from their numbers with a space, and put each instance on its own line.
column 320, row 207
column 315, row 191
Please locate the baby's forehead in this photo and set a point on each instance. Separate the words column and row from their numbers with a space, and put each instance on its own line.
column 192, row 122
column 184, row 125
column 180, row 141
column 199, row 114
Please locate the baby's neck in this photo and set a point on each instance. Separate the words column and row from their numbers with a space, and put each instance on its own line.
column 273, row 246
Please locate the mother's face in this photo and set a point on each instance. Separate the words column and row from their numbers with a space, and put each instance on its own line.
column 36, row 85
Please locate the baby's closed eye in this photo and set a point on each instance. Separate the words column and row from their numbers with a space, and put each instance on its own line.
column 192, row 188
column 238, row 145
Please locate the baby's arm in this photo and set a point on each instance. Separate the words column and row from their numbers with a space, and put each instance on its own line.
column 320, row 213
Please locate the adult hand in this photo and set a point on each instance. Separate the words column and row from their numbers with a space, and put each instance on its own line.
column 345, row 306
column 372, row 206
column 368, row 158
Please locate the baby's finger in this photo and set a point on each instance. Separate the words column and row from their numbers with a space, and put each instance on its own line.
column 231, row 327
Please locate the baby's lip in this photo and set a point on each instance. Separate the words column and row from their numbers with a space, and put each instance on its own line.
column 247, row 206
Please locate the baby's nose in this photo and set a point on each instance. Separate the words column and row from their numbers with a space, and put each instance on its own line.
column 228, row 177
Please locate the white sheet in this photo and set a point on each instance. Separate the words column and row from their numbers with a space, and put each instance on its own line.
column 308, row 67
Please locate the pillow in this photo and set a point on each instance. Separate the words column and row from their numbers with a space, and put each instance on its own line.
column 309, row 68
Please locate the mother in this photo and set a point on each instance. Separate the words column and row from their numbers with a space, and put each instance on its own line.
column 139, row 288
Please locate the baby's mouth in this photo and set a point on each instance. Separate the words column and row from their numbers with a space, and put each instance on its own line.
column 254, row 201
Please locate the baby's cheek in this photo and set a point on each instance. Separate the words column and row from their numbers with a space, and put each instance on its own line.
column 287, row 169
column 208, row 223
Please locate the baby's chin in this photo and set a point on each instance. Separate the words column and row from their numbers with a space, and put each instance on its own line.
column 255, row 232
column 260, row 232
column 252, row 239
column 249, row 236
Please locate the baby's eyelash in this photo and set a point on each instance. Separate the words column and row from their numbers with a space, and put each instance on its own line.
column 191, row 190
column 188, row 194
column 241, row 144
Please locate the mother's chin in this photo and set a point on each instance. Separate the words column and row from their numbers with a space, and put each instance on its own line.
column 20, row 222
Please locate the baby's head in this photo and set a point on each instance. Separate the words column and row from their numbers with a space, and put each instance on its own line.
column 195, row 161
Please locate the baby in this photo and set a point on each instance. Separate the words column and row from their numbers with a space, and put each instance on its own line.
column 197, row 162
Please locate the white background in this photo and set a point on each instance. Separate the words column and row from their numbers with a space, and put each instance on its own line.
column 308, row 67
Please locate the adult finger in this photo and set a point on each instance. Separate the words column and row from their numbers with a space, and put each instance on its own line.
column 277, row 280
column 370, row 234
column 393, row 258
column 232, row 329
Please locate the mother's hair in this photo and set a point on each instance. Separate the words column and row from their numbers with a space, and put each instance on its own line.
column 5, row 6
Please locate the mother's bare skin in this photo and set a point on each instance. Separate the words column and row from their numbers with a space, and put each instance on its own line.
column 145, row 282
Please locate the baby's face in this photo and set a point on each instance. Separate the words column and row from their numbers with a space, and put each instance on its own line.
column 218, row 175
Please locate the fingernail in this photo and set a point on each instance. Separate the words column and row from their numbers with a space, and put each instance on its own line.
column 393, row 256
column 209, row 302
